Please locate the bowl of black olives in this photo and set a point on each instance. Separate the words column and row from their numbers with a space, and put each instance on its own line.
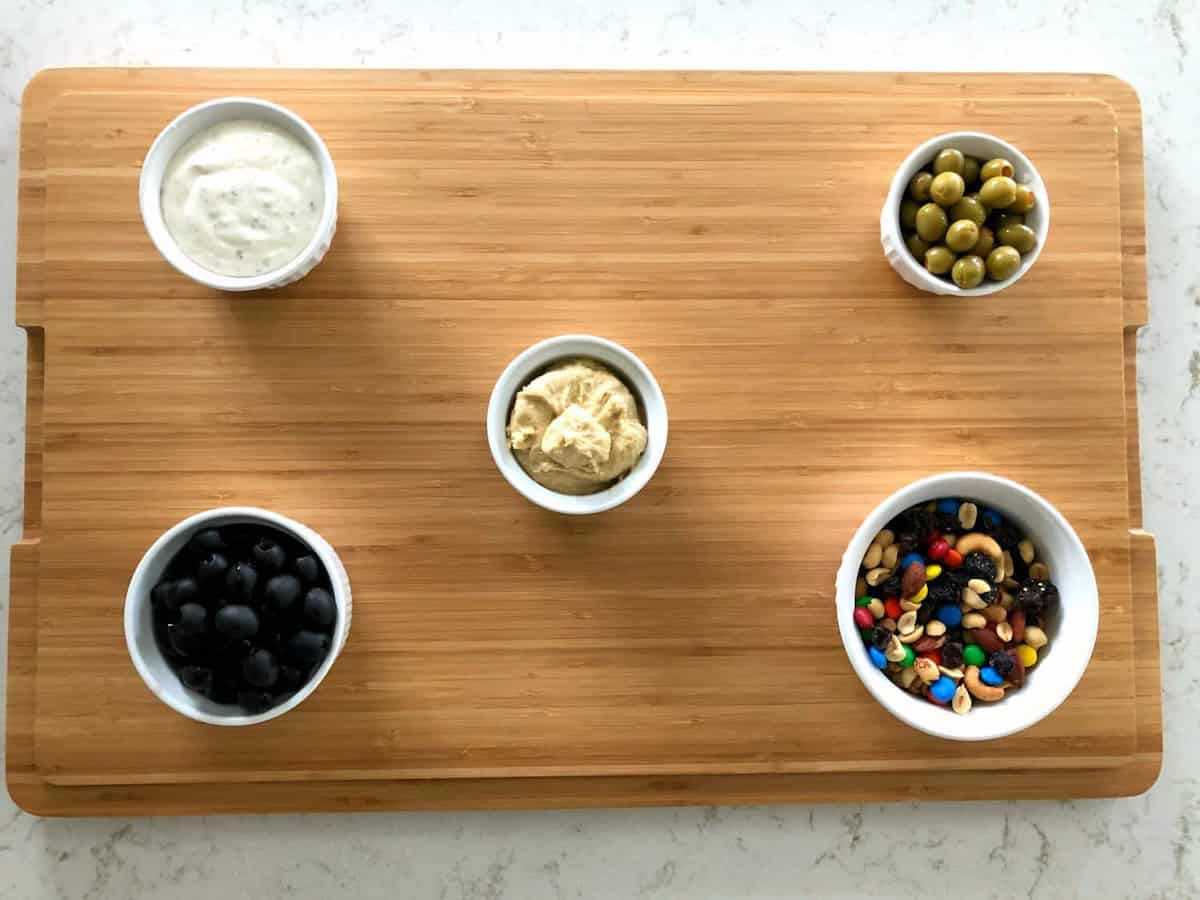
column 967, row 214
column 235, row 615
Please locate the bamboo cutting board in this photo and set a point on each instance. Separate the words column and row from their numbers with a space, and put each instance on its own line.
column 722, row 227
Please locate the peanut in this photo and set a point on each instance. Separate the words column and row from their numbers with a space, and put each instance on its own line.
column 888, row 622
column 914, row 635
column 895, row 650
column 974, row 620
column 972, row 599
column 908, row 676
column 877, row 577
column 909, row 606
column 956, row 674
column 950, row 539
column 1016, row 619
column 907, row 623
column 927, row 670
column 1007, row 600
column 1039, row 571
column 978, row 689
column 885, row 538
column 1025, row 548
column 979, row 586
column 994, row 614
column 876, row 608
column 873, row 557
column 1004, row 631
column 961, row 703
column 1035, row 637
column 891, row 556
column 1009, row 567
column 935, row 628
column 967, row 514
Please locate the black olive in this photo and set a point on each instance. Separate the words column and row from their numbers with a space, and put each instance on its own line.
column 236, row 621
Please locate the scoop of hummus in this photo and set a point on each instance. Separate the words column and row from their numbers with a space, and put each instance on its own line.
column 575, row 428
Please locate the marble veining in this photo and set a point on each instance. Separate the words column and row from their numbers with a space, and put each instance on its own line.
column 1144, row 848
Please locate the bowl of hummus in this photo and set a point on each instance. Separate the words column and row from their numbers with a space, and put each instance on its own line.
column 577, row 424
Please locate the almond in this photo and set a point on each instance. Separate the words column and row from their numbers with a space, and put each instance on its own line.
column 1016, row 619
column 913, row 579
column 987, row 639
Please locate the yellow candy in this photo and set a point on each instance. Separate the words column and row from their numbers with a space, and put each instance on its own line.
column 932, row 572
column 930, row 506
column 920, row 595
column 1027, row 655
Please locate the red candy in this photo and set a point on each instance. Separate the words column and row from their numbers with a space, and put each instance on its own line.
column 863, row 617
column 934, row 700
column 938, row 550
column 952, row 558
column 935, row 655
column 892, row 607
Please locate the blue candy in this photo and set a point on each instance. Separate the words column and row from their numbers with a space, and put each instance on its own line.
column 878, row 660
column 949, row 615
column 909, row 559
column 947, row 505
column 991, row 518
column 943, row 689
column 988, row 675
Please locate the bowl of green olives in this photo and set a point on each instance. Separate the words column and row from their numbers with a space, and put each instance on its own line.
column 967, row 214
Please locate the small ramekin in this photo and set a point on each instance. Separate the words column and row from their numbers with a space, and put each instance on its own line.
column 182, row 129
column 528, row 365
column 983, row 147
column 139, row 624
column 1072, row 629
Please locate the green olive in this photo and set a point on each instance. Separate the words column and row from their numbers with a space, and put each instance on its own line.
column 1002, row 262
column 1019, row 237
column 939, row 260
column 908, row 214
column 994, row 167
column 916, row 246
column 948, row 160
column 968, row 272
column 969, row 208
column 987, row 240
column 1025, row 200
column 1001, row 219
column 962, row 235
column 918, row 188
column 946, row 189
column 931, row 222
column 970, row 172
column 997, row 192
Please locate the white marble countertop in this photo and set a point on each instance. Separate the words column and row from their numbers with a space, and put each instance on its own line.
column 1144, row 847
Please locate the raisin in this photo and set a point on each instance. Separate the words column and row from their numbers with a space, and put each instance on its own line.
column 979, row 565
column 1002, row 663
column 952, row 655
column 880, row 638
column 943, row 592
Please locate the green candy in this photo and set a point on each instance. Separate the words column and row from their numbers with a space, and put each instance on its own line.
column 863, row 601
column 974, row 655
column 909, row 656
column 866, row 633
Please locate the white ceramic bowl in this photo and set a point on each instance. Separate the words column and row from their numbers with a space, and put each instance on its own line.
column 983, row 147
column 625, row 365
column 1072, row 629
column 182, row 129
column 139, row 627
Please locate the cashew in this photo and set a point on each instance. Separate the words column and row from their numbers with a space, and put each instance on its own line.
column 980, row 690
column 1025, row 548
column 967, row 513
column 935, row 628
column 1004, row 631
column 927, row 670
column 907, row 622
column 891, row 556
column 1039, row 571
column 876, row 607
column 895, row 650
column 974, row 620
column 914, row 635
column 961, row 703
column 972, row 600
column 977, row 542
column 885, row 538
column 994, row 614
column 979, row 586
column 1035, row 637
column 876, row 577
column 873, row 557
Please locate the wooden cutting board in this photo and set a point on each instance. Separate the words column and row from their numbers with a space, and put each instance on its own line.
column 721, row 225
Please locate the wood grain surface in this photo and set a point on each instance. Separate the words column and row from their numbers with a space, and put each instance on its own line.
column 715, row 224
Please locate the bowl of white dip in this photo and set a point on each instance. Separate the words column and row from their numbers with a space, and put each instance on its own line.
column 239, row 194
